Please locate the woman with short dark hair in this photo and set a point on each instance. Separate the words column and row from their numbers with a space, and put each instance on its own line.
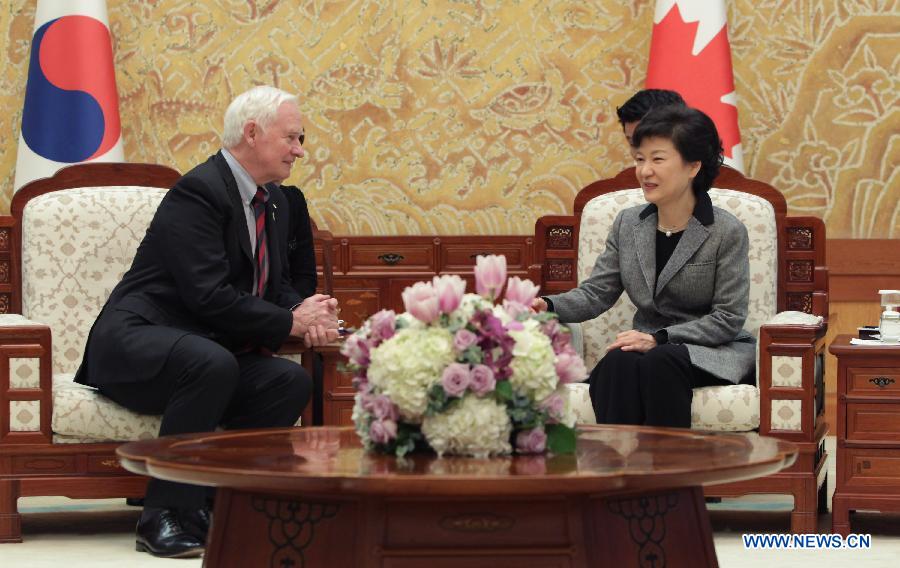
column 684, row 263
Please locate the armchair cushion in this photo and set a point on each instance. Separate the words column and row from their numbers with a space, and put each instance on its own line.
column 733, row 408
column 81, row 414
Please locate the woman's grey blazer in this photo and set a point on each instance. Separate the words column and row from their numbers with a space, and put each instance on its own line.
column 701, row 296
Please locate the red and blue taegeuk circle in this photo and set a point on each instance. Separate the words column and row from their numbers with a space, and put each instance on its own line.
column 71, row 111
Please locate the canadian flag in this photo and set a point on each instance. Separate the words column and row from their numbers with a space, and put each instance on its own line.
column 690, row 54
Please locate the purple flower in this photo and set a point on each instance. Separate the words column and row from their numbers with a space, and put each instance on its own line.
column 520, row 291
column 483, row 380
column 570, row 368
column 456, row 379
column 490, row 275
column 450, row 290
column 532, row 441
column 356, row 349
column 421, row 300
column 464, row 339
column 382, row 431
column 383, row 324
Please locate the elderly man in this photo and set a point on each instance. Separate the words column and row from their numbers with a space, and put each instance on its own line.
column 190, row 329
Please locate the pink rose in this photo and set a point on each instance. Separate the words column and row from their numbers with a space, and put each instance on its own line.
column 456, row 379
column 382, row 431
column 520, row 291
column 532, row 441
column 381, row 407
column 356, row 349
column 464, row 339
column 383, row 324
column 490, row 275
column 555, row 405
column 570, row 368
column 450, row 290
column 483, row 380
column 421, row 300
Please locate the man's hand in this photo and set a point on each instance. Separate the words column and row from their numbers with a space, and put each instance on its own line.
column 539, row 305
column 315, row 320
column 633, row 340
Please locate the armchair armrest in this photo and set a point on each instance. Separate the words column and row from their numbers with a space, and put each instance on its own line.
column 791, row 376
column 26, row 396
column 555, row 253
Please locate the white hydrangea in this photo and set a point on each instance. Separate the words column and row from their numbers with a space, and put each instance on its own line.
column 470, row 304
column 410, row 321
column 533, row 368
column 407, row 365
column 360, row 421
column 476, row 427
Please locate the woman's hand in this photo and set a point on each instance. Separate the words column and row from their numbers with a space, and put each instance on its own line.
column 633, row 340
column 539, row 305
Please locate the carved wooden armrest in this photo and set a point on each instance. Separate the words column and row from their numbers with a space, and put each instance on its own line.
column 556, row 253
column 791, row 375
column 25, row 354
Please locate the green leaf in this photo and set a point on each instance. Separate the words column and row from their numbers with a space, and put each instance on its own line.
column 473, row 355
column 504, row 391
column 561, row 439
column 437, row 400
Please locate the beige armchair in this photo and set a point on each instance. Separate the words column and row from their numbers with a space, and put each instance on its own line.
column 65, row 245
column 788, row 307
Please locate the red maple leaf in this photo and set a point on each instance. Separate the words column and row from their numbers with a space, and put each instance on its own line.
column 702, row 79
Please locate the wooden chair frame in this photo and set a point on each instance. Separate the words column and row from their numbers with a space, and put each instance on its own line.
column 802, row 286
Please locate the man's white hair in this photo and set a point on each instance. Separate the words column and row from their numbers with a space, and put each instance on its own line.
column 259, row 104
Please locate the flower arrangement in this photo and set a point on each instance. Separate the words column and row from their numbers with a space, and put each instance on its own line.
column 462, row 373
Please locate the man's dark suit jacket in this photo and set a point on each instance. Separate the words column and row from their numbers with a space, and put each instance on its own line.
column 301, row 251
column 193, row 273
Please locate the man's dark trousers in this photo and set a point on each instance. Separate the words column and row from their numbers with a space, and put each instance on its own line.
column 202, row 386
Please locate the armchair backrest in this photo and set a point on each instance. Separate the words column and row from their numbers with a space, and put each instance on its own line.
column 78, row 232
column 784, row 268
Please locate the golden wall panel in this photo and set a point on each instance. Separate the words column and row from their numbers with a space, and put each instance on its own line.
column 478, row 116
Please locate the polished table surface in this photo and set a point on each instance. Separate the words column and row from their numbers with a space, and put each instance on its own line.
column 612, row 458
column 313, row 497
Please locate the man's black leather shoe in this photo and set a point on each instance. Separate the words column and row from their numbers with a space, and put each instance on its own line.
column 196, row 522
column 160, row 533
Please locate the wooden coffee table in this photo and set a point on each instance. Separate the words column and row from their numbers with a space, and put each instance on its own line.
column 312, row 497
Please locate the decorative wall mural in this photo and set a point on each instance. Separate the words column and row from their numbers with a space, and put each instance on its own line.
column 478, row 116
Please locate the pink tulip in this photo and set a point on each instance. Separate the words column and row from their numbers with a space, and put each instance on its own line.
column 532, row 441
column 450, row 289
column 521, row 291
column 514, row 309
column 383, row 324
column 464, row 339
column 483, row 380
column 456, row 379
column 490, row 275
column 570, row 368
column 421, row 300
column 382, row 431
